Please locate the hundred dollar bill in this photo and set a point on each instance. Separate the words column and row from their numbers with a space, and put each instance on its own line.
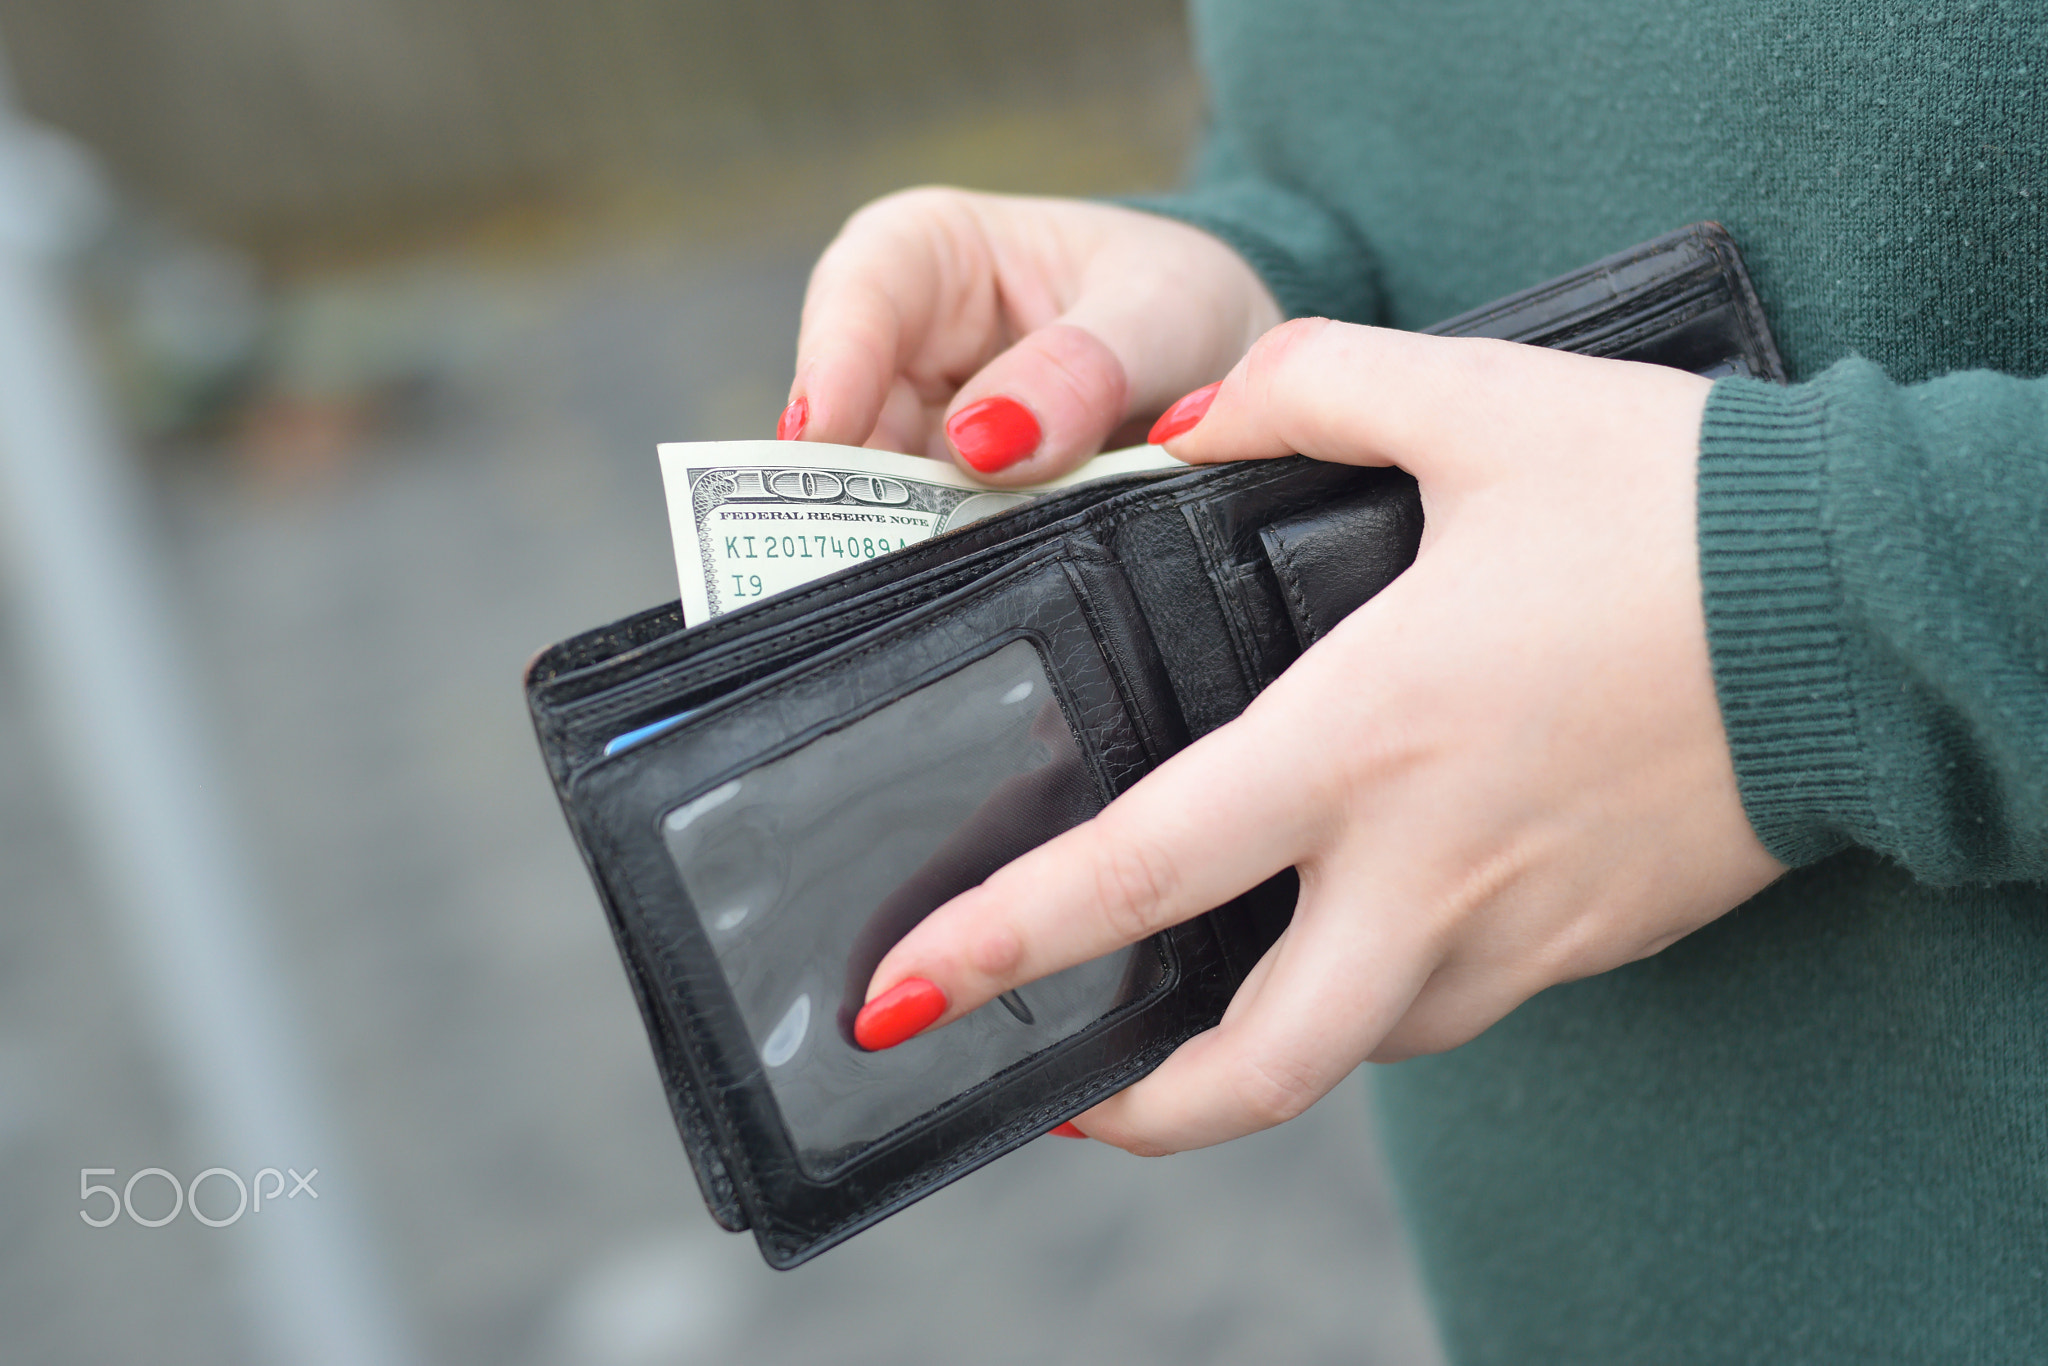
column 751, row 518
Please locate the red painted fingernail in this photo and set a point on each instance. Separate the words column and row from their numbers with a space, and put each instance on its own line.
column 1067, row 1130
column 993, row 434
column 1186, row 411
column 791, row 425
column 897, row 1014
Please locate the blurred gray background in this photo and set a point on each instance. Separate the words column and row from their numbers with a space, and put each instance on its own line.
column 393, row 299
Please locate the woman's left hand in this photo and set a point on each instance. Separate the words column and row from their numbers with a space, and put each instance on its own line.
column 1506, row 771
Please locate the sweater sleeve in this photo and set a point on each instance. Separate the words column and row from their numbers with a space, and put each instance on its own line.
column 1874, row 558
column 1308, row 254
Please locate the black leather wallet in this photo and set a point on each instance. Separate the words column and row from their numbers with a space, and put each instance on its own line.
column 854, row 752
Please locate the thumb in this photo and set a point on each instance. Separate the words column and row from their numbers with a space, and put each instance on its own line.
column 1354, row 394
column 1443, row 408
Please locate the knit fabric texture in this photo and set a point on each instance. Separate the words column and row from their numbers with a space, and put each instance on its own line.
column 1875, row 561
column 1817, row 1130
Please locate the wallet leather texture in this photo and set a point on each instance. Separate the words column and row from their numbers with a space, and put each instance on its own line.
column 840, row 759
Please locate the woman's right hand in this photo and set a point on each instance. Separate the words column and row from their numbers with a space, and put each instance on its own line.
column 1012, row 335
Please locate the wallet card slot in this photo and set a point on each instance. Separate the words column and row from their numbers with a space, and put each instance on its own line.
column 702, row 682
column 1233, row 582
column 1131, row 655
column 1331, row 558
column 1228, row 526
column 645, row 705
column 1165, row 570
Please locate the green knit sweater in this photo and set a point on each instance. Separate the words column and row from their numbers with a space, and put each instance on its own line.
column 1817, row 1130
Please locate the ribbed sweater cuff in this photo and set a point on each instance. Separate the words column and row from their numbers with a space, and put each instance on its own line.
column 1775, row 617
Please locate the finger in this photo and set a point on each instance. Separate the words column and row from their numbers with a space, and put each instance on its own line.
column 1169, row 849
column 1038, row 409
column 1255, row 981
column 1343, row 974
column 900, row 279
column 1133, row 337
column 1240, row 1001
column 907, row 423
column 1337, row 391
column 1454, row 1006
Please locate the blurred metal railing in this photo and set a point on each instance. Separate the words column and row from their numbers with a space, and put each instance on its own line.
column 143, row 784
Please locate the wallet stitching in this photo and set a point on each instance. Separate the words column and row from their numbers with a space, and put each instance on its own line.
column 1052, row 555
column 1675, row 309
column 1201, row 521
column 1282, row 557
column 884, row 636
column 1120, row 669
column 804, row 632
column 1648, row 295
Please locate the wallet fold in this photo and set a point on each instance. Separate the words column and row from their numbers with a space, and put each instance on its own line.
column 769, row 801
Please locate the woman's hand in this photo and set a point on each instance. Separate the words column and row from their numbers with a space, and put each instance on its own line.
column 1015, row 335
column 1506, row 771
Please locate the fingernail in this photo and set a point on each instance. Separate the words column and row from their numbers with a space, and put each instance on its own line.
column 1067, row 1130
column 898, row 1013
column 791, row 425
column 1186, row 411
column 993, row 434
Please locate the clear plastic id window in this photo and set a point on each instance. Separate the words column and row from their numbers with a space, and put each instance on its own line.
column 806, row 870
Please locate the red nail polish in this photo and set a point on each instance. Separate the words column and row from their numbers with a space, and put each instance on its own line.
column 1067, row 1130
column 898, row 1013
column 993, row 434
column 791, row 425
column 1186, row 411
